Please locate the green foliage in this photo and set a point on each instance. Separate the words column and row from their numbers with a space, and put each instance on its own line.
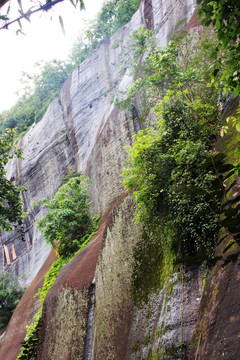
column 40, row 89
column 225, row 16
column 71, row 174
column 112, row 16
column 67, row 222
column 29, row 345
column 182, row 68
column 172, row 170
column 172, row 174
column 10, row 294
column 46, row 84
column 10, row 202
column 51, row 277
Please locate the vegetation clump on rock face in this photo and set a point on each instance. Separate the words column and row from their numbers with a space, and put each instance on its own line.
column 224, row 15
column 68, row 222
column 172, row 169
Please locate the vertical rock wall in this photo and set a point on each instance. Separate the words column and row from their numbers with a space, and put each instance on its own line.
column 83, row 129
column 114, row 308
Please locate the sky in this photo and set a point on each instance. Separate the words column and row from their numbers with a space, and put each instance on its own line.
column 43, row 41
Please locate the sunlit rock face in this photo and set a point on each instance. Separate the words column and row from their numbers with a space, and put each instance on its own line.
column 82, row 129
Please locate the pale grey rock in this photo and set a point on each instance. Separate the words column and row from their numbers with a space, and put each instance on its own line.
column 168, row 319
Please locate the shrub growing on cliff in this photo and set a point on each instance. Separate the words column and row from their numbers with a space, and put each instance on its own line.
column 172, row 170
column 68, row 221
column 10, row 294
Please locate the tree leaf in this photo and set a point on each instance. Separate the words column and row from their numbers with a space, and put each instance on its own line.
column 237, row 90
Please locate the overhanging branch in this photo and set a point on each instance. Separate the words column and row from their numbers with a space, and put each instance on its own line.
column 47, row 6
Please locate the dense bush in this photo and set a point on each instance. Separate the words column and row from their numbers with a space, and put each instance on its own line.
column 225, row 16
column 67, row 222
column 171, row 169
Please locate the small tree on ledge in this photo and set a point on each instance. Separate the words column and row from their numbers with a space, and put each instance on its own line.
column 68, row 221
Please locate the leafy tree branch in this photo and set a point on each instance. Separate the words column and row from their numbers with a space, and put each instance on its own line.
column 49, row 4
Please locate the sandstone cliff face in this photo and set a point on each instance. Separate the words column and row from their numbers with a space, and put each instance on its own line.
column 84, row 130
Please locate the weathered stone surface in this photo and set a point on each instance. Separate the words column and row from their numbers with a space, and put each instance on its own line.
column 217, row 335
column 64, row 328
column 65, row 310
column 168, row 319
column 83, row 129
column 47, row 155
column 114, row 308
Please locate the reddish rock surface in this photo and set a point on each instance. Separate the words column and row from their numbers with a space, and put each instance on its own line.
column 217, row 335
